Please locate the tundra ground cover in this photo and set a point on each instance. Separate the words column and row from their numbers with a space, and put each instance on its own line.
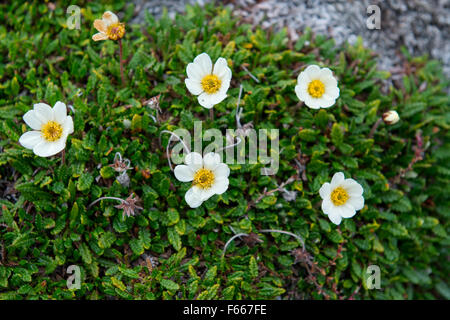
column 169, row 250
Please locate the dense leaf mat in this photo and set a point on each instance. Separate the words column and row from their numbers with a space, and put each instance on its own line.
column 169, row 251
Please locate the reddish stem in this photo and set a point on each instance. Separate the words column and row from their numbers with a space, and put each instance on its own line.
column 375, row 126
column 63, row 157
column 121, row 62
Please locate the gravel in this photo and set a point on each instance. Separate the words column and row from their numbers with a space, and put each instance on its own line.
column 422, row 26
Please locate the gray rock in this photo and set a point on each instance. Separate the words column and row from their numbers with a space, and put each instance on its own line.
column 422, row 26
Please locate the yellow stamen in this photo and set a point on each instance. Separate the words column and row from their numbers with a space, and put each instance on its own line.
column 204, row 178
column 116, row 31
column 316, row 88
column 339, row 196
column 52, row 131
column 211, row 83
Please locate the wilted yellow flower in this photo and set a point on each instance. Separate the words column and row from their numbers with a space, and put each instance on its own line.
column 109, row 27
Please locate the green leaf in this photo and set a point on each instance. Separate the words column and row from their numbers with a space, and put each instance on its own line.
column 85, row 253
column 308, row 135
column 324, row 225
column 337, row 136
column 136, row 246
column 210, row 276
column 106, row 240
column 169, row 285
column 129, row 273
column 253, row 267
column 84, row 182
column 173, row 216
column 174, row 238
column 107, row 172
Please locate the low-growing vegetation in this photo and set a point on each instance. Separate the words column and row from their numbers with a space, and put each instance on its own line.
column 168, row 250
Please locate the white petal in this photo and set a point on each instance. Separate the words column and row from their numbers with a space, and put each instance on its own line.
column 100, row 26
column 220, row 185
column 59, row 112
column 193, row 86
column 221, row 69
column 223, row 90
column 337, row 179
column 325, row 190
column 100, row 36
column 347, row 211
column 193, row 197
column 357, row 202
column 301, row 93
column 30, row 139
column 207, row 193
column 194, row 160
column 325, row 74
column 327, row 206
column 209, row 100
column 303, row 78
column 352, row 187
column 329, row 82
column 222, row 171
column 335, row 218
column 109, row 18
column 312, row 103
column 211, row 160
column 204, row 61
column 33, row 120
column 324, row 102
column 47, row 148
column 68, row 126
column 331, row 92
column 44, row 112
column 205, row 100
column 312, row 71
column 183, row 173
column 195, row 72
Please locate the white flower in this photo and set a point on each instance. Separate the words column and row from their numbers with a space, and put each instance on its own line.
column 391, row 117
column 209, row 176
column 341, row 198
column 317, row 87
column 208, row 83
column 51, row 128
column 109, row 27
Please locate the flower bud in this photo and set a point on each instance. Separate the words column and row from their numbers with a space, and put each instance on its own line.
column 391, row 117
column 127, row 123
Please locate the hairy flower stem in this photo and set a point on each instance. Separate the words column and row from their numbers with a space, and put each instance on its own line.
column 106, row 198
column 268, row 193
column 168, row 145
column 239, row 140
column 285, row 232
column 250, row 74
column 211, row 114
column 239, row 110
column 231, row 239
column 121, row 61
column 238, row 235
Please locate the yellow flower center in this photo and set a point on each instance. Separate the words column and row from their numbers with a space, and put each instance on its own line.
column 116, row 31
column 211, row 83
column 52, row 131
column 316, row 88
column 204, row 178
column 339, row 196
